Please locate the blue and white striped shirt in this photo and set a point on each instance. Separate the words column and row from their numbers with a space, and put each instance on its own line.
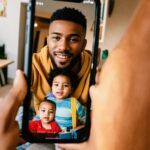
column 63, row 114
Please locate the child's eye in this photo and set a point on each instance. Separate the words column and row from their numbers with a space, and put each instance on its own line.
column 66, row 85
column 55, row 84
column 50, row 112
column 42, row 110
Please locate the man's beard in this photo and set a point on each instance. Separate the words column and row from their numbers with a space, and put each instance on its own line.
column 70, row 66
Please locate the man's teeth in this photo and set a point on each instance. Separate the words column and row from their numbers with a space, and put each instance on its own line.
column 62, row 55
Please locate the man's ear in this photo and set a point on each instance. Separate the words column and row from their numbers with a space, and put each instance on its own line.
column 84, row 44
column 47, row 39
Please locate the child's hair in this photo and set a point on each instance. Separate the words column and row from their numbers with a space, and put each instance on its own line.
column 69, row 14
column 72, row 76
column 48, row 101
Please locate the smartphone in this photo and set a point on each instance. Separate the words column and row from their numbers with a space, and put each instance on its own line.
column 37, row 24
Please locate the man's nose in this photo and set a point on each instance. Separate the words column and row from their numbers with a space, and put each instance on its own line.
column 64, row 44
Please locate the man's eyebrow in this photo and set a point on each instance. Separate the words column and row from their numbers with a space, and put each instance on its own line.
column 77, row 35
column 56, row 33
column 72, row 34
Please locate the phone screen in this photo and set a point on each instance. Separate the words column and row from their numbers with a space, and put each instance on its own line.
column 60, row 66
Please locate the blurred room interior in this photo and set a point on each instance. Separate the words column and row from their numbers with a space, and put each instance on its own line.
column 13, row 26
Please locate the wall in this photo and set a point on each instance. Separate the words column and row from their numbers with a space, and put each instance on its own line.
column 9, row 33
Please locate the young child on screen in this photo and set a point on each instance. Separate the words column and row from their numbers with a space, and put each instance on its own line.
column 62, row 83
column 46, row 124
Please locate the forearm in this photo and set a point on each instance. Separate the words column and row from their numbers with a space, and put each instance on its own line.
column 138, row 34
column 122, row 99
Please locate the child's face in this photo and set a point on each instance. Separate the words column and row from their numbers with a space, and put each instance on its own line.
column 61, row 87
column 46, row 112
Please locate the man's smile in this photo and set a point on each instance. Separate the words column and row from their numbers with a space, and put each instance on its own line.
column 62, row 55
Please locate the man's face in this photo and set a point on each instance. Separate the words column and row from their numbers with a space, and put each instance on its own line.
column 66, row 40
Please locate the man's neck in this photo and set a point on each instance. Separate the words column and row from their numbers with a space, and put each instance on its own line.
column 76, row 64
column 76, row 68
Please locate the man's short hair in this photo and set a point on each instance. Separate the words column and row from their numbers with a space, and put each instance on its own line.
column 69, row 14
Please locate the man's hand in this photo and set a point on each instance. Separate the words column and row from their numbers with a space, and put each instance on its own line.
column 9, row 130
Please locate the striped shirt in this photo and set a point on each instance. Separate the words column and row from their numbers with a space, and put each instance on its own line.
column 63, row 115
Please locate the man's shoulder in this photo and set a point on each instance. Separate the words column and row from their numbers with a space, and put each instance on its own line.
column 41, row 57
column 42, row 51
column 87, row 52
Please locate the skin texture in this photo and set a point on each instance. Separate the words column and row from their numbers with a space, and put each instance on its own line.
column 9, row 130
column 120, row 99
column 66, row 40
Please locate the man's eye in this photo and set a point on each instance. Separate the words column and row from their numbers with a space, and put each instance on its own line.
column 74, row 39
column 56, row 38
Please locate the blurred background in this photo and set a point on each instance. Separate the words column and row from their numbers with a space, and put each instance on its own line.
column 115, row 19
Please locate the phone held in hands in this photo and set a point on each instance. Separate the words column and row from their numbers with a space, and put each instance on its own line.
column 57, row 105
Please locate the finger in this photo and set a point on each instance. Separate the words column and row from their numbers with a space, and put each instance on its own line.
column 16, row 137
column 20, row 139
column 8, row 111
column 13, row 100
column 20, row 85
column 10, row 138
column 94, row 94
